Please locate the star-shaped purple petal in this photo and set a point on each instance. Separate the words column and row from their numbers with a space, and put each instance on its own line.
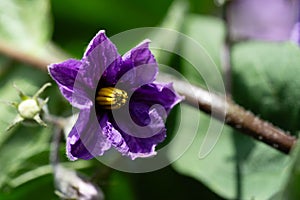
column 120, row 103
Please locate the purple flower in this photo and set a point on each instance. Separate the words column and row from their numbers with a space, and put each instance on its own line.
column 296, row 30
column 295, row 37
column 120, row 104
column 271, row 20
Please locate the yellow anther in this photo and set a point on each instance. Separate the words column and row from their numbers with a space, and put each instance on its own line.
column 111, row 98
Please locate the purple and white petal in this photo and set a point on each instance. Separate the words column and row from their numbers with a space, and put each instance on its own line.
column 100, row 54
column 142, row 143
column 139, row 120
column 65, row 73
column 115, row 138
column 157, row 94
column 139, row 66
column 70, row 84
column 142, row 147
column 140, row 55
column 86, row 139
column 134, row 140
column 96, row 41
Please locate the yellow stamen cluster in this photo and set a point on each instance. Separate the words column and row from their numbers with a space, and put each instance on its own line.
column 111, row 98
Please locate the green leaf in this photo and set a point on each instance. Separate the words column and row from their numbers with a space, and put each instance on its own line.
column 170, row 185
column 167, row 36
column 21, row 143
column 24, row 144
column 120, row 186
column 25, row 24
column 113, row 16
column 236, row 168
column 208, row 33
column 32, row 190
column 291, row 187
column 164, row 39
column 266, row 81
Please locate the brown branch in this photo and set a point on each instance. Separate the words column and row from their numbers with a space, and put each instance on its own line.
column 233, row 114
column 19, row 55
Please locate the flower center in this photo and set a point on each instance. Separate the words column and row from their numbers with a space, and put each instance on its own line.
column 111, row 98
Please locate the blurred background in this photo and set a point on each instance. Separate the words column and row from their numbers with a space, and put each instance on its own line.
column 238, row 167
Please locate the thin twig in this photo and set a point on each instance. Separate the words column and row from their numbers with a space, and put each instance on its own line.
column 23, row 57
column 226, row 54
column 58, row 126
column 54, row 152
column 234, row 115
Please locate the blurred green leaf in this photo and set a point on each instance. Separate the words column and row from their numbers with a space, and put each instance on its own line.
column 22, row 143
column 168, row 184
column 18, row 149
column 76, row 22
column 266, row 81
column 236, row 168
column 208, row 33
column 25, row 23
column 101, row 13
column 120, row 187
column 167, row 38
column 41, row 188
column 164, row 38
column 204, row 6
column 42, row 170
column 291, row 187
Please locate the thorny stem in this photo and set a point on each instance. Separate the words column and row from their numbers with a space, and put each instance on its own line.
column 235, row 116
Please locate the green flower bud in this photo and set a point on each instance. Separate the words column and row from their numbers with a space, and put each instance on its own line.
column 30, row 108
